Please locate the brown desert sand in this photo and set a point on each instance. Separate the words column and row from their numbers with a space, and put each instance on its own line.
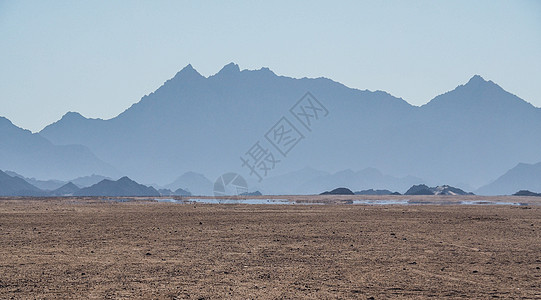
column 96, row 249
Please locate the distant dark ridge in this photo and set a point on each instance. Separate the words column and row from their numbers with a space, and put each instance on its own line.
column 526, row 193
column 339, row 191
column 45, row 185
column 15, row 186
column 120, row 188
column 420, row 189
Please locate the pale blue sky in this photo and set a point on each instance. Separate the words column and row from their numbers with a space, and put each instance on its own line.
column 99, row 57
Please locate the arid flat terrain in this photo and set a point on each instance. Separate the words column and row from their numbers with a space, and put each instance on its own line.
column 89, row 248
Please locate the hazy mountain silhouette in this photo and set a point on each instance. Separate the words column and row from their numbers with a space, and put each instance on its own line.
column 47, row 185
column 15, row 186
column 521, row 177
column 192, row 183
column 122, row 187
column 32, row 155
column 463, row 136
column 86, row 181
column 182, row 192
column 69, row 189
column 476, row 131
column 51, row 185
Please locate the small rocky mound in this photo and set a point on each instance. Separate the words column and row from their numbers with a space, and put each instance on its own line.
column 420, row 189
column 256, row 193
column 339, row 191
column 423, row 189
column 527, row 193
column 374, row 192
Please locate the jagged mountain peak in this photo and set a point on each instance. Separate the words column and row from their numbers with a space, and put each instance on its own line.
column 261, row 71
column 187, row 73
column 230, row 68
column 125, row 179
column 70, row 118
column 70, row 185
column 265, row 69
column 476, row 79
column 479, row 94
column 72, row 115
column 479, row 83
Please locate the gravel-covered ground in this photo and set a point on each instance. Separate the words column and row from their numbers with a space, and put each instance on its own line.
column 84, row 248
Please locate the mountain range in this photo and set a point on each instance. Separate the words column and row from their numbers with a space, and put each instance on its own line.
column 17, row 186
column 122, row 187
column 10, row 186
column 53, row 184
column 29, row 153
column 465, row 137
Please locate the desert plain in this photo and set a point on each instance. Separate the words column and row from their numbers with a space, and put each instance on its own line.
column 89, row 248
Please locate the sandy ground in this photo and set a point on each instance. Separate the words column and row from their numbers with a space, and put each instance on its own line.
column 78, row 249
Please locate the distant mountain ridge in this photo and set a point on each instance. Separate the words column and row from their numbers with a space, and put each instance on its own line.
column 191, row 183
column 68, row 189
column 463, row 136
column 40, row 184
column 15, row 186
column 50, row 185
column 28, row 153
column 122, row 187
